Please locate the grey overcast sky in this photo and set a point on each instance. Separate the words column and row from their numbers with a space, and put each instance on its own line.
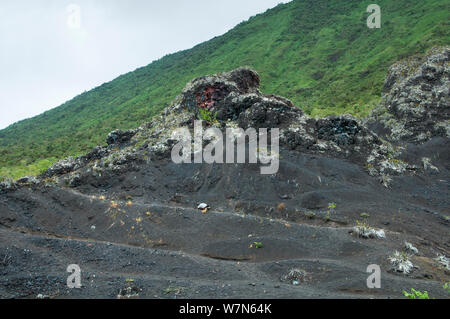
column 49, row 53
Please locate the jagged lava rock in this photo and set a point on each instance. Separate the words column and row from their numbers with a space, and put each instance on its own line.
column 235, row 101
column 416, row 105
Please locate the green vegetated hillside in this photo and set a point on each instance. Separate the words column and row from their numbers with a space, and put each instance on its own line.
column 318, row 53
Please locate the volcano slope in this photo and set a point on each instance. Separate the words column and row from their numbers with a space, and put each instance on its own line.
column 127, row 215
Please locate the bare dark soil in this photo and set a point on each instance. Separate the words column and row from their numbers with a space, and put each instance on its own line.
column 141, row 229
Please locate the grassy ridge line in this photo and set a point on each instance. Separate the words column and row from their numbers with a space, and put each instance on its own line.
column 320, row 54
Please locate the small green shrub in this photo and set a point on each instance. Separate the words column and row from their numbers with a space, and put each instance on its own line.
column 207, row 116
column 447, row 287
column 415, row 294
column 257, row 245
column 310, row 215
column 331, row 210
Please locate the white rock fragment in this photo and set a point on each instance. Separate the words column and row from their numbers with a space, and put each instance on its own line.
column 410, row 248
column 202, row 206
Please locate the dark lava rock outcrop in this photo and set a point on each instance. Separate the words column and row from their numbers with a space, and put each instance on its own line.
column 415, row 107
column 233, row 100
column 119, row 136
column 416, row 103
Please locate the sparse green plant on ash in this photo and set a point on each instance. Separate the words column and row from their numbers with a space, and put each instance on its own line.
column 257, row 245
column 443, row 261
column 416, row 294
column 295, row 276
column 331, row 210
column 364, row 230
column 401, row 262
column 310, row 215
column 174, row 290
column 447, row 286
